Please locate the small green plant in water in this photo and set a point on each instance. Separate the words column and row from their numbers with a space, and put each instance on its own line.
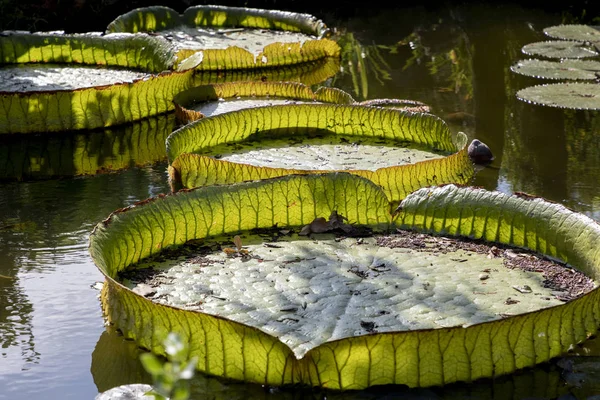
column 171, row 378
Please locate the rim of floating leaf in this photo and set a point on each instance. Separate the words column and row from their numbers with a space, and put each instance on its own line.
column 185, row 100
column 400, row 104
column 559, row 49
column 564, row 69
column 91, row 107
column 414, row 358
column 158, row 18
column 577, row 96
column 582, row 33
column 417, row 129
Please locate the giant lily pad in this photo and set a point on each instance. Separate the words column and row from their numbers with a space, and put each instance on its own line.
column 566, row 69
column 217, row 134
column 207, row 100
column 582, row 33
column 217, row 37
column 45, row 108
column 420, row 357
column 579, row 96
column 559, row 49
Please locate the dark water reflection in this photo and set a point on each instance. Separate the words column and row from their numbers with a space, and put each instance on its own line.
column 455, row 59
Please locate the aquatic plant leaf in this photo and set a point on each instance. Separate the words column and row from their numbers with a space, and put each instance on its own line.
column 423, row 129
column 92, row 107
column 202, row 47
column 68, row 154
column 559, row 49
column 193, row 170
column 245, row 95
column 139, row 52
column 367, row 122
column 582, row 33
column 578, row 96
column 158, row 18
column 132, row 234
column 413, row 358
column 565, row 69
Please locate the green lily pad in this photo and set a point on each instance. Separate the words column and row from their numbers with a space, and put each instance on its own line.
column 565, row 69
column 559, row 49
column 45, row 99
column 578, row 96
column 407, row 150
column 413, row 357
column 582, row 33
column 218, row 37
column 208, row 100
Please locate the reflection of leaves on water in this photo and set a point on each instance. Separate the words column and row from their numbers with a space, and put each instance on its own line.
column 452, row 67
column 362, row 61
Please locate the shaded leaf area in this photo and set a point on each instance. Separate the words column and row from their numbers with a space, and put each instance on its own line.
column 415, row 358
column 559, row 49
column 210, row 49
column 45, row 156
column 192, row 104
column 115, row 362
column 137, row 52
column 582, row 33
column 159, row 18
column 566, row 69
column 578, row 96
column 298, row 121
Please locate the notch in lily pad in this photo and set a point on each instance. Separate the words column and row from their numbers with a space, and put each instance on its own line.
column 401, row 151
column 345, row 353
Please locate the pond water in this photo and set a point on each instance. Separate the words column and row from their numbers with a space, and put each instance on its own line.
column 52, row 335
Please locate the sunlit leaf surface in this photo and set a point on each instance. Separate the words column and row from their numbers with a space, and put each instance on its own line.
column 413, row 358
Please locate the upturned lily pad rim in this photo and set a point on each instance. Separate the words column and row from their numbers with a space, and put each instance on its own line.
column 417, row 129
column 425, row 211
column 253, row 89
column 93, row 107
column 194, row 17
